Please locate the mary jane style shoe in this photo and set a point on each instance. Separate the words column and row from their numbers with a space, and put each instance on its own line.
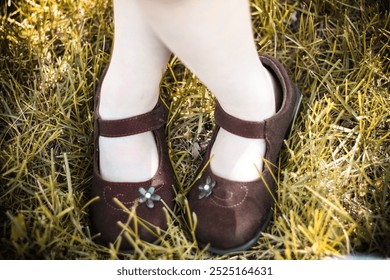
column 148, row 198
column 231, row 215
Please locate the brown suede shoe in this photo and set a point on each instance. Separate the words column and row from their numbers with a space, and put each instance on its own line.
column 147, row 197
column 231, row 215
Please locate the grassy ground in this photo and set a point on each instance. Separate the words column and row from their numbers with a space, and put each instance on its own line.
column 333, row 197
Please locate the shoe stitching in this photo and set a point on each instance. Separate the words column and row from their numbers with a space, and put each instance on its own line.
column 116, row 208
column 118, row 196
column 245, row 188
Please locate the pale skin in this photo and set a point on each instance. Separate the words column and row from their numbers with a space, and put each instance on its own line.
column 214, row 40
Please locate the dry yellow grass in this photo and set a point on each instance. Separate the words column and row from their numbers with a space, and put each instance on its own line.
column 333, row 196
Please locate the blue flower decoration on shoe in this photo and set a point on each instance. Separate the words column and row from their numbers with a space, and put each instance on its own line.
column 206, row 188
column 148, row 196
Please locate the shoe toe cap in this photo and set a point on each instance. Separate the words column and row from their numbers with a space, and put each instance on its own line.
column 232, row 216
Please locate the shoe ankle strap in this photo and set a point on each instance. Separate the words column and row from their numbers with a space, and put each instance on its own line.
column 247, row 129
column 138, row 124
